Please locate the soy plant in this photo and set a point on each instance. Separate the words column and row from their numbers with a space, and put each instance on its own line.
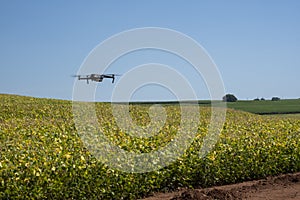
column 43, row 156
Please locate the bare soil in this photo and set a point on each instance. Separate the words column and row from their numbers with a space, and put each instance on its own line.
column 283, row 187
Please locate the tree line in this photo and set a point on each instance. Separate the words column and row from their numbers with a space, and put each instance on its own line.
column 233, row 98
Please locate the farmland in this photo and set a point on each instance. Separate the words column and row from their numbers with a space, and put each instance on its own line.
column 42, row 155
column 286, row 106
column 266, row 107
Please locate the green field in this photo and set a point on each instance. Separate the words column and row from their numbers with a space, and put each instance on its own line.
column 42, row 155
column 296, row 116
column 285, row 106
column 268, row 107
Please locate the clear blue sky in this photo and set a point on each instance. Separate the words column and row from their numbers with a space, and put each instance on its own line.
column 255, row 44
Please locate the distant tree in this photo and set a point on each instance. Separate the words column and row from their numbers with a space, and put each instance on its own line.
column 229, row 98
column 257, row 99
column 262, row 99
column 275, row 98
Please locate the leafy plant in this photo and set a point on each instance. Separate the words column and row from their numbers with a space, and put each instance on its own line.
column 42, row 155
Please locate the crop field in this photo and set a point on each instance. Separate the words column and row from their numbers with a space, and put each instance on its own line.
column 297, row 116
column 289, row 106
column 266, row 107
column 42, row 155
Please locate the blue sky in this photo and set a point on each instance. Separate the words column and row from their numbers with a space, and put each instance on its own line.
column 255, row 44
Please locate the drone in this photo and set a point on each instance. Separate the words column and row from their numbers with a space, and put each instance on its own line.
column 96, row 77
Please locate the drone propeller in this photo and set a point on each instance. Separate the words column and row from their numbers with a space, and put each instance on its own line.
column 113, row 74
column 76, row 76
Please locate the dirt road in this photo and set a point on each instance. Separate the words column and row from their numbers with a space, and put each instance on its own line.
column 283, row 187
